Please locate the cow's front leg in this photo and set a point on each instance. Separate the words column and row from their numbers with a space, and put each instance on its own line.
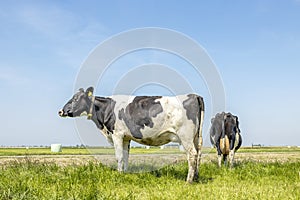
column 126, row 148
column 118, row 144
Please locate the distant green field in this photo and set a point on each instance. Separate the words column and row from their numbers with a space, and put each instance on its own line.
column 269, row 149
column 40, row 151
column 153, row 150
column 248, row 180
column 80, row 151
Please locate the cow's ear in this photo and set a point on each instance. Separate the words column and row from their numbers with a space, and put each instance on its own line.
column 89, row 91
column 224, row 115
column 236, row 120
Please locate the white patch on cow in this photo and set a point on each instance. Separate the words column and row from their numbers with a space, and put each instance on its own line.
column 165, row 124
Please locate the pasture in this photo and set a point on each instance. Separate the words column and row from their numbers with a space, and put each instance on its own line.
column 261, row 173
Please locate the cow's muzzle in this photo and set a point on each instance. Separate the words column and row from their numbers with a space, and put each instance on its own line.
column 62, row 113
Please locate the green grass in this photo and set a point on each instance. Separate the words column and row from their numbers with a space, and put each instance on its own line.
column 269, row 150
column 248, row 180
column 41, row 151
column 153, row 150
column 80, row 151
column 22, row 151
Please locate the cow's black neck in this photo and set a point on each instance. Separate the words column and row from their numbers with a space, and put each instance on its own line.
column 103, row 113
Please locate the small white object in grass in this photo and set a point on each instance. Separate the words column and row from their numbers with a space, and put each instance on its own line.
column 147, row 147
column 181, row 148
column 27, row 148
column 56, row 148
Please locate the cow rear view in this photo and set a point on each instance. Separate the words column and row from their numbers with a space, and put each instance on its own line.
column 225, row 136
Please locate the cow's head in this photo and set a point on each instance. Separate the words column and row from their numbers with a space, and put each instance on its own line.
column 79, row 104
column 231, row 124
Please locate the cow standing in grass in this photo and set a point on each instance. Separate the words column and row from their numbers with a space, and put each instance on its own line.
column 225, row 136
column 148, row 120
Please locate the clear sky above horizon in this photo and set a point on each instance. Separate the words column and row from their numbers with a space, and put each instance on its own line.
column 254, row 44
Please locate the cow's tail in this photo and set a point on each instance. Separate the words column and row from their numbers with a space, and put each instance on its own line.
column 200, row 128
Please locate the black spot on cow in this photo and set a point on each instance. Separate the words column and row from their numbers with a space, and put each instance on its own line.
column 193, row 105
column 139, row 113
column 230, row 124
column 104, row 113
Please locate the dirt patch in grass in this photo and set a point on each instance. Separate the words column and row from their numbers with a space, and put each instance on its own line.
column 259, row 157
column 153, row 160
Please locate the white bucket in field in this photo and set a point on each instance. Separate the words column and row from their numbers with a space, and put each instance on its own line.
column 56, row 148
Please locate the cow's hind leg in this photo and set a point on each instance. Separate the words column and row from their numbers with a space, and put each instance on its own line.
column 198, row 141
column 225, row 159
column 219, row 153
column 192, row 163
column 231, row 158
column 191, row 153
column 198, row 145
column 232, row 151
column 219, row 160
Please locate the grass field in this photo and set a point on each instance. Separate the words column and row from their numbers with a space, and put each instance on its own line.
column 28, row 178
column 22, row 151
column 78, row 151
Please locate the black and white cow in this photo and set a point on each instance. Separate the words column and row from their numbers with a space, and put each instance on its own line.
column 225, row 136
column 148, row 120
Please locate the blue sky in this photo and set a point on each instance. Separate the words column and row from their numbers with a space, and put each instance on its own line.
column 254, row 44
